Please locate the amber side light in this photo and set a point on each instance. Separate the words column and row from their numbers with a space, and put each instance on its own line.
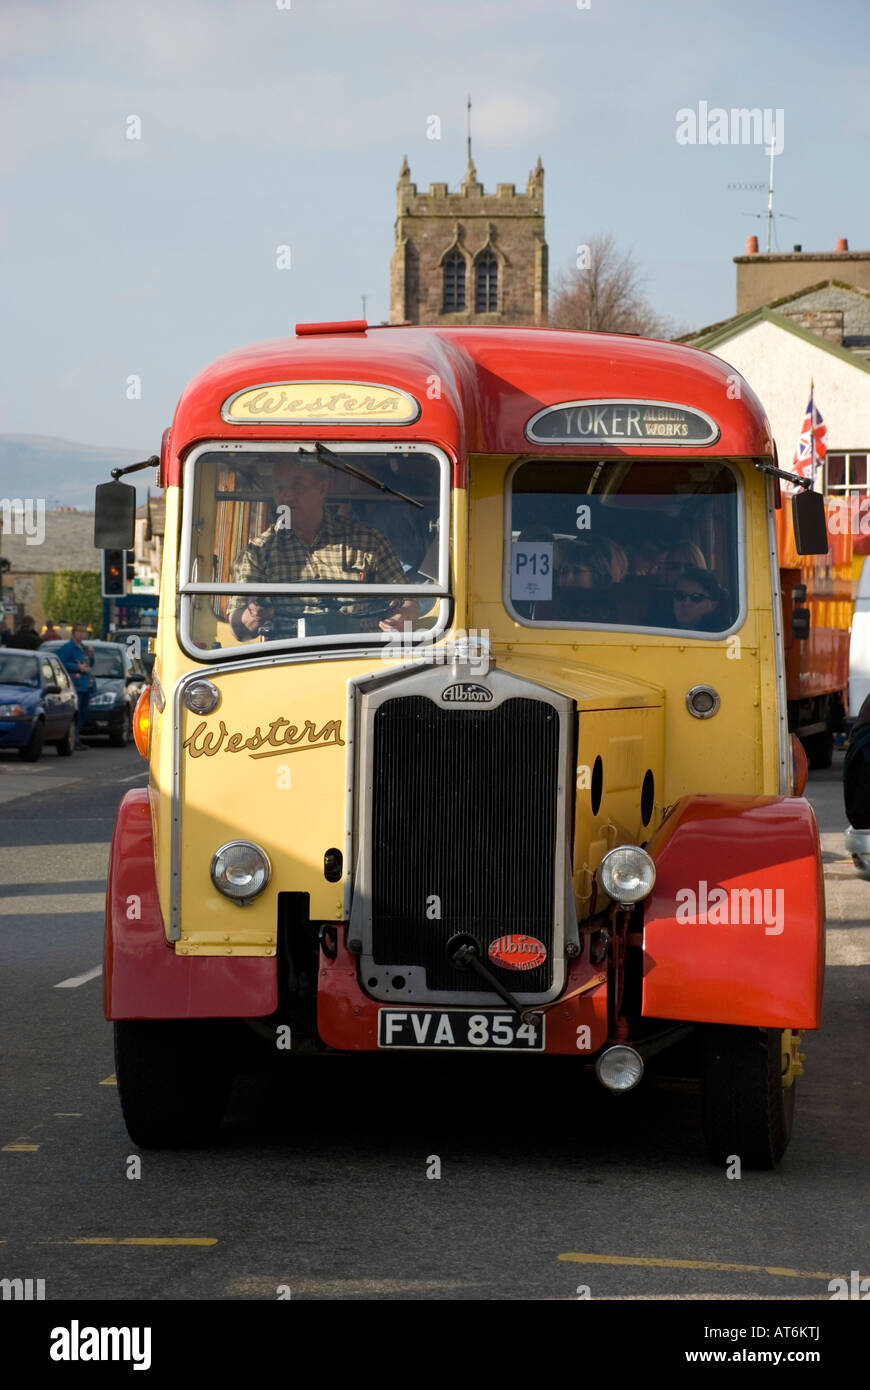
column 800, row 769
column 142, row 721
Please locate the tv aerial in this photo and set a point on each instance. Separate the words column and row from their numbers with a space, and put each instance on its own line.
column 769, row 215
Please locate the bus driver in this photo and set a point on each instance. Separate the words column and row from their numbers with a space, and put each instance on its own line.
column 307, row 542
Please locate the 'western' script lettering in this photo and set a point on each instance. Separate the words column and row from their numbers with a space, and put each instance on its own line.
column 281, row 737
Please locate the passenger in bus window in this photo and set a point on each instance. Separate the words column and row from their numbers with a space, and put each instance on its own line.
column 583, row 581
column 699, row 602
column 676, row 560
column 645, row 557
column 673, row 563
column 617, row 559
column 322, row 547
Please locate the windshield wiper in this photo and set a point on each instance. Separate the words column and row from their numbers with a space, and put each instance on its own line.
column 335, row 462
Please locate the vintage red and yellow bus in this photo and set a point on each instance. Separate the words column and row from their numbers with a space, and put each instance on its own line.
column 468, row 729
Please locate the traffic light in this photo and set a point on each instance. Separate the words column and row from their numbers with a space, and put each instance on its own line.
column 114, row 573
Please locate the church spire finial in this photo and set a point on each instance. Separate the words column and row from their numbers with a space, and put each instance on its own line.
column 470, row 172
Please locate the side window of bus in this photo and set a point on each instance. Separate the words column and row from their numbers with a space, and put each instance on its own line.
column 625, row 543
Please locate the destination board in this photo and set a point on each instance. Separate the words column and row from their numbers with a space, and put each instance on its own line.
column 621, row 422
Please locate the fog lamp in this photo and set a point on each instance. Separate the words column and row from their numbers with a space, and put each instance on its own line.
column 202, row 697
column 619, row 1068
column 627, row 874
column 240, row 870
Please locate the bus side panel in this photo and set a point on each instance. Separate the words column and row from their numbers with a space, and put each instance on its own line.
column 143, row 977
column 753, row 952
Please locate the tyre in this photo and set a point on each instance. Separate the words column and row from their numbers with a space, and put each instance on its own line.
column 820, row 749
column 174, row 1078
column 33, row 750
column 120, row 736
column 66, row 745
column 748, row 1112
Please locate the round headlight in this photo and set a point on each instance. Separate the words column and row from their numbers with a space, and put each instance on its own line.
column 627, row 874
column 702, row 701
column 202, row 697
column 619, row 1067
column 240, row 870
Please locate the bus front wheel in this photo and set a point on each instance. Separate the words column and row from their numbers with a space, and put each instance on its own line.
column 174, row 1078
column 748, row 1092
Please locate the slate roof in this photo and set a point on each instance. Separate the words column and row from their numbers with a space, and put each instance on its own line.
column 829, row 294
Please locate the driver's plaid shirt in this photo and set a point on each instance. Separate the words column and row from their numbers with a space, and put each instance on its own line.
column 342, row 549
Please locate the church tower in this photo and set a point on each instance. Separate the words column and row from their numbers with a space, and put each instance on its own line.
column 469, row 257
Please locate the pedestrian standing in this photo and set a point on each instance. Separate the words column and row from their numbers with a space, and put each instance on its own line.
column 26, row 635
column 50, row 632
column 78, row 660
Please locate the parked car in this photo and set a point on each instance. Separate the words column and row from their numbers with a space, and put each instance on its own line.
column 119, row 679
column 38, row 704
column 144, row 635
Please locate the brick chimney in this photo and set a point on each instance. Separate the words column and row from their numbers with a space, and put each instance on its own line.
column 767, row 278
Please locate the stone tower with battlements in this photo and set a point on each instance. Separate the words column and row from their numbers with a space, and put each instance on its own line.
column 469, row 257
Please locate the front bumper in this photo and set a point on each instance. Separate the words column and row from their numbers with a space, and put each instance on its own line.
column 103, row 721
column 347, row 1018
column 16, row 733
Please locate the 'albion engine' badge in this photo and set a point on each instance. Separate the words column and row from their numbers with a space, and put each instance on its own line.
column 466, row 693
column 517, row 952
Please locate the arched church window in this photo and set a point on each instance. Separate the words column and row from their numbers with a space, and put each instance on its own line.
column 454, row 282
column 486, row 283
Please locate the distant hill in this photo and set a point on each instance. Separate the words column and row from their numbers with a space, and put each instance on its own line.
column 65, row 473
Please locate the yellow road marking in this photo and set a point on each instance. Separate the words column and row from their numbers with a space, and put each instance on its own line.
column 110, row 1080
column 20, row 1148
column 694, row 1264
column 139, row 1240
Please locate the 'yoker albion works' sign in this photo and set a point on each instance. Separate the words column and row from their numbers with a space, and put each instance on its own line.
column 621, row 422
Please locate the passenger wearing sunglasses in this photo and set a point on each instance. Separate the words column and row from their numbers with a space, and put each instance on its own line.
column 699, row 601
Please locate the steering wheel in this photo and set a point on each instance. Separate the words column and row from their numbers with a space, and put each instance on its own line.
column 329, row 624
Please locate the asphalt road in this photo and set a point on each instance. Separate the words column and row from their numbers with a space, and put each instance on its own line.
column 318, row 1185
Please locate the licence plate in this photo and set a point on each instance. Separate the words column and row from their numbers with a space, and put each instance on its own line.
column 459, row 1030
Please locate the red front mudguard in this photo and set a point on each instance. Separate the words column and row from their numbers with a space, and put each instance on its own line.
column 143, row 977
column 763, row 965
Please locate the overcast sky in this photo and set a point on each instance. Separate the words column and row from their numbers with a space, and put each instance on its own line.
column 264, row 126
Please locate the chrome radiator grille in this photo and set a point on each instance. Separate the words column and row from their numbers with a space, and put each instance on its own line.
column 464, row 818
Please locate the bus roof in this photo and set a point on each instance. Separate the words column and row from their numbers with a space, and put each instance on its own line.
column 475, row 388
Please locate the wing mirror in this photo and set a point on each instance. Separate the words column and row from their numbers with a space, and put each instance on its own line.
column 810, row 523
column 115, row 516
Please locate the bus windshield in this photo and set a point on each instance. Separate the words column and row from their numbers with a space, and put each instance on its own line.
column 313, row 543
column 625, row 543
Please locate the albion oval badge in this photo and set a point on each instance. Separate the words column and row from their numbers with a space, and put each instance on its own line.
column 517, row 952
column 467, row 693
